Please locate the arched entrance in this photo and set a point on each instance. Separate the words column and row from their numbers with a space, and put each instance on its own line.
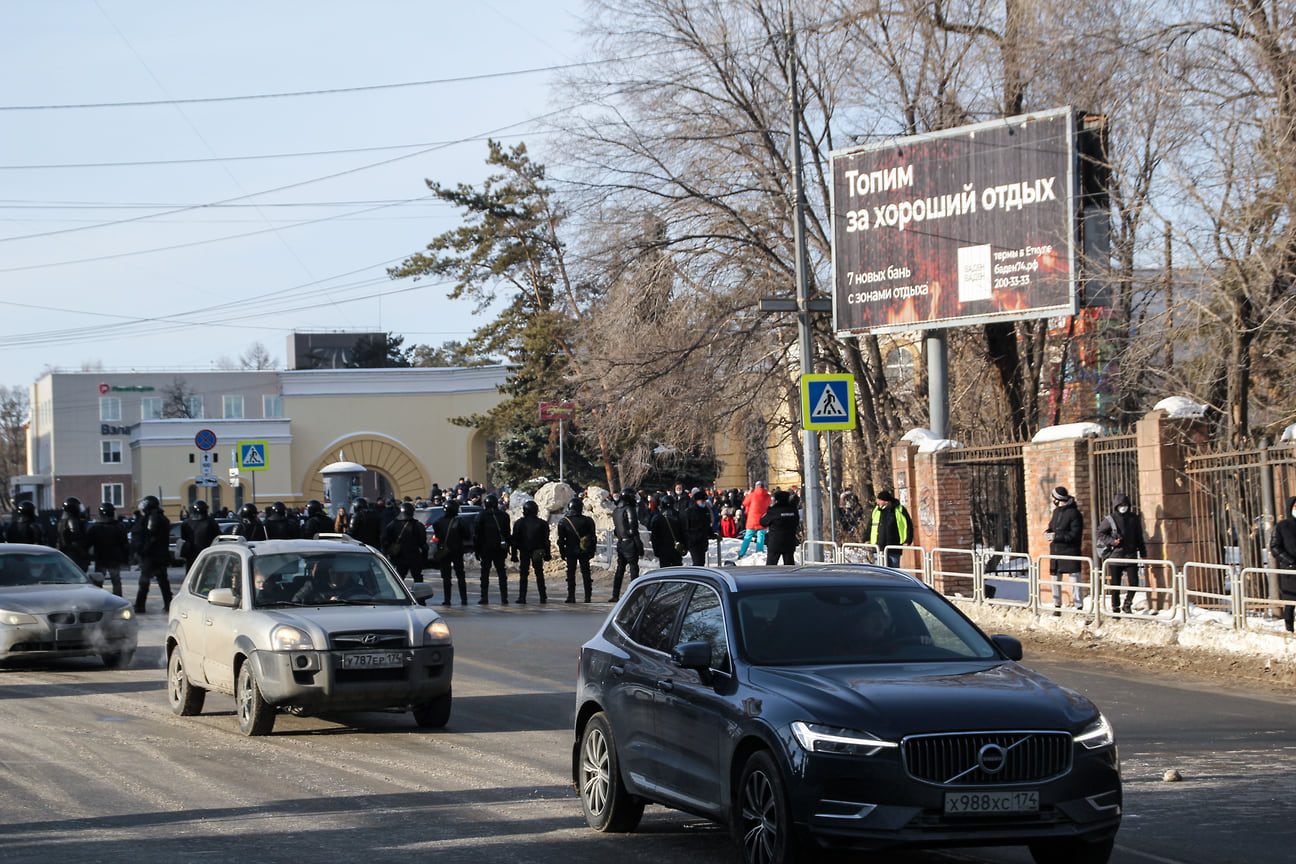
column 377, row 453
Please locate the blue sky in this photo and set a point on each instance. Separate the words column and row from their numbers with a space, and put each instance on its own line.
column 182, row 230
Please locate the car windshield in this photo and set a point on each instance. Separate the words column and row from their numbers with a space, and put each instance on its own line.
column 853, row 624
column 39, row 568
column 325, row 578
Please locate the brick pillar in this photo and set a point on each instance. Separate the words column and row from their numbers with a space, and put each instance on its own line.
column 1164, row 500
column 944, row 515
column 1048, row 464
column 904, row 476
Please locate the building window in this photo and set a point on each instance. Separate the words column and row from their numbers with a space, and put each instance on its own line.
column 109, row 408
column 232, row 407
column 151, row 408
column 272, row 406
column 111, row 452
column 111, row 493
column 193, row 407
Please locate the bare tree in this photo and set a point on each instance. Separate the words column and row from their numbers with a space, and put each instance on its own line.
column 14, row 402
column 177, row 399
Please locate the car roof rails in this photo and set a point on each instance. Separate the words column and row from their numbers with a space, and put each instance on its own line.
column 230, row 538
column 339, row 538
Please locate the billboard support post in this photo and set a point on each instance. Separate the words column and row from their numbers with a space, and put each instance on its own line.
column 809, row 438
column 937, row 382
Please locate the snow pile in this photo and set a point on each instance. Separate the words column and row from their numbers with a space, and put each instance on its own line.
column 1067, row 431
column 1289, row 434
column 1181, row 407
column 928, row 441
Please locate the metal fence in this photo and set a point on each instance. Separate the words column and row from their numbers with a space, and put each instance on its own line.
column 1113, row 469
column 1236, row 497
column 995, row 479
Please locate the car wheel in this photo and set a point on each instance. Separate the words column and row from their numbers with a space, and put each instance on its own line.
column 186, row 699
column 1072, row 851
column 763, row 822
column 608, row 805
column 117, row 659
column 255, row 715
column 434, row 714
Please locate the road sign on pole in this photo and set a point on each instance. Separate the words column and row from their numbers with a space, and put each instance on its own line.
column 827, row 402
column 252, row 455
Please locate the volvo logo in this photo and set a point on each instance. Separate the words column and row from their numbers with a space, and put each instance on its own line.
column 991, row 758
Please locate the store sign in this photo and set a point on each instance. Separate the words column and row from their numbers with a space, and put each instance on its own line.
column 124, row 388
column 110, row 429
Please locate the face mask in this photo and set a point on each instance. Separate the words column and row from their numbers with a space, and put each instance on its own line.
column 701, row 503
column 1122, row 509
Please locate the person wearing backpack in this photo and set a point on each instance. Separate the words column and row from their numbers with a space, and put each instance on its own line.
column 491, row 543
column 577, row 540
column 1120, row 535
column 452, row 535
column 531, row 542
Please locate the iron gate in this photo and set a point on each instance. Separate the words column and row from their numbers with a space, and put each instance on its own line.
column 995, row 477
column 1113, row 469
column 1236, row 496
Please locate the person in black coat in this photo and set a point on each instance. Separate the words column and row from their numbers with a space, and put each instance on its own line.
column 1065, row 532
column 531, row 550
column 1120, row 535
column 366, row 524
column 152, row 543
column 666, row 533
column 577, row 541
column 1282, row 549
column 70, row 534
column 249, row 525
column 453, row 536
column 492, row 536
column 25, row 527
column 197, row 532
column 782, row 522
column 109, row 545
column 629, row 545
column 698, row 528
column 317, row 520
column 278, row 525
column 405, row 543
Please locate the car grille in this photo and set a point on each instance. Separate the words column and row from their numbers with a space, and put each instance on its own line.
column 987, row 758
column 65, row 618
column 362, row 640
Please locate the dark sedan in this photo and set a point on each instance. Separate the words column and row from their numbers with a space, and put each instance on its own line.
column 839, row 706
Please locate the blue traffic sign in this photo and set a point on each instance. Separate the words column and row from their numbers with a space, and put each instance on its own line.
column 828, row 402
column 205, row 439
column 252, row 455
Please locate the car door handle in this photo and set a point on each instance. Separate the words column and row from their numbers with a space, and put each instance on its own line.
column 666, row 684
column 617, row 670
column 209, row 622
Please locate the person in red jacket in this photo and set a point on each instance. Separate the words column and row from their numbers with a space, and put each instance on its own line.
column 755, row 504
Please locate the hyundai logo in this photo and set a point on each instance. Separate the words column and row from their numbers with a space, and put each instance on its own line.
column 370, row 639
column 992, row 758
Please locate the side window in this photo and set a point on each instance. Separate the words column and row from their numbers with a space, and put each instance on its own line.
column 634, row 604
column 657, row 622
column 210, row 575
column 704, row 622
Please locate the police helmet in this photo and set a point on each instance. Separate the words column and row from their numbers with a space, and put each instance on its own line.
column 314, row 507
column 452, row 507
column 576, row 506
column 406, row 510
column 530, row 508
column 107, row 510
column 72, row 505
column 278, row 509
column 149, row 503
column 248, row 511
column 27, row 508
column 199, row 509
column 359, row 504
column 491, row 502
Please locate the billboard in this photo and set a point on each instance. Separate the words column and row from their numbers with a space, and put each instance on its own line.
column 958, row 227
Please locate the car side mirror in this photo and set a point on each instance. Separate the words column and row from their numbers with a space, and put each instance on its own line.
column 96, row 578
column 692, row 655
column 223, row 597
column 1010, row 647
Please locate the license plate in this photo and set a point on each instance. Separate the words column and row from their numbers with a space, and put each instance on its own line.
column 991, row 802
column 374, row 660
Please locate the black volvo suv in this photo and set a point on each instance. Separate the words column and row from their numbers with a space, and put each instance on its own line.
column 839, row 706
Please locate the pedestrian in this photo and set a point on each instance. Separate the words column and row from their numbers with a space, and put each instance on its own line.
column 889, row 525
column 851, row 515
column 530, row 550
column 629, row 545
column 70, row 534
column 666, row 533
column 755, row 504
column 197, row 532
column 1065, row 531
column 366, row 525
column 577, row 540
column 278, row 526
column 1282, row 549
column 783, row 521
column 317, row 520
column 249, row 525
column 152, row 543
column 698, row 528
column 491, row 538
column 109, row 545
column 452, row 536
column 405, row 543
column 1120, row 535
column 25, row 526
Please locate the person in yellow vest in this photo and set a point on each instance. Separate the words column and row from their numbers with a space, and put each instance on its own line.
column 889, row 525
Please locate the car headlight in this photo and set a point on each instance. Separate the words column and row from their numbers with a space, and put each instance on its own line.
column 15, row 619
column 286, row 638
column 436, row 633
column 816, row 738
column 1096, row 734
column 126, row 613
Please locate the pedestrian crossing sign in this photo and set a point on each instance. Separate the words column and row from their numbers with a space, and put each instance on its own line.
column 252, row 455
column 828, row 402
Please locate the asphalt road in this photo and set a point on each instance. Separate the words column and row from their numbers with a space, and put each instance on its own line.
column 94, row 767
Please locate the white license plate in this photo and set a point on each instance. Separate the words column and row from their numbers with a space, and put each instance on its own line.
column 374, row 660
column 991, row 803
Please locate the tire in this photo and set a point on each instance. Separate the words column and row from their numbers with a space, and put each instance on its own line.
column 186, row 699
column 608, row 805
column 117, row 659
column 255, row 715
column 762, row 818
column 434, row 714
column 1072, row 851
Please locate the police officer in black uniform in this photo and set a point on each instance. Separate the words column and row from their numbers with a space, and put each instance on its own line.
column 197, row 532
column 666, row 533
column 629, row 545
column 453, row 536
column 25, row 527
column 531, row 549
column 109, row 545
column 70, row 534
column 783, row 522
column 697, row 528
column 317, row 520
column 152, row 541
column 405, row 543
column 577, row 541
column 278, row 526
column 250, row 525
column 491, row 537
column 366, row 525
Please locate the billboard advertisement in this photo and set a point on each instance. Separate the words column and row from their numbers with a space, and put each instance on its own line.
column 957, row 227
